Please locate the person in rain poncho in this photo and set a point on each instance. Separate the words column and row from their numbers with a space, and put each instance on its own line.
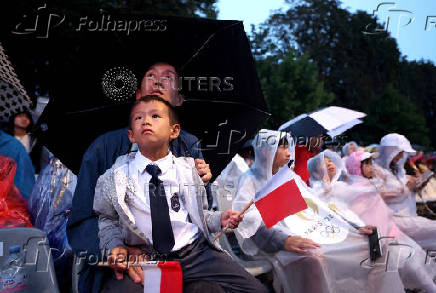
column 225, row 185
column 335, row 266
column 361, row 197
column 397, row 190
column 349, row 148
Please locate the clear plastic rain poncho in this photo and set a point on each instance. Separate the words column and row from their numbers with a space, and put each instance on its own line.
column 326, row 187
column 49, row 204
column 225, row 185
column 339, row 265
column 346, row 149
column 364, row 199
column 390, row 180
column 265, row 146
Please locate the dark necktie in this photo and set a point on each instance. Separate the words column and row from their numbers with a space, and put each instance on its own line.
column 162, row 232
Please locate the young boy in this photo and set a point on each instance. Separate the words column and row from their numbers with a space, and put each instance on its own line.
column 156, row 202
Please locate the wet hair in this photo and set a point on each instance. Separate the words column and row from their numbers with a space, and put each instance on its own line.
column 174, row 117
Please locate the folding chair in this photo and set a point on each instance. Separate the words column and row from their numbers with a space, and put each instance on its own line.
column 38, row 259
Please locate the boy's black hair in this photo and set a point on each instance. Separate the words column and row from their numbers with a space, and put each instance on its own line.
column 174, row 117
column 283, row 141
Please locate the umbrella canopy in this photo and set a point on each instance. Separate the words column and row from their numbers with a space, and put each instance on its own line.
column 332, row 121
column 94, row 74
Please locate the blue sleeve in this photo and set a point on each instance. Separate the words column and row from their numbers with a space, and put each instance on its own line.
column 193, row 145
column 82, row 227
column 25, row 175
column 269, row 240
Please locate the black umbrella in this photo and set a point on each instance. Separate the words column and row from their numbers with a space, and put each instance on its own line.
column 92, row 82
column 305, row 127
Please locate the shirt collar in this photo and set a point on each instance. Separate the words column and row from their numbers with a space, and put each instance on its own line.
column 164, row 163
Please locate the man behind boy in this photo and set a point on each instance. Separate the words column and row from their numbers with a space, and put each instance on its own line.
column 154, row 201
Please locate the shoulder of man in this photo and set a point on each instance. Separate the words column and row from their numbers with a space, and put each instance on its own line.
column 118, row 135
column 192, row 143
column 114, row 140
column 122, row 163
column 185, row 162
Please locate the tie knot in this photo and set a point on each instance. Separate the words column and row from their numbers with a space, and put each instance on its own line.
column 153, row 170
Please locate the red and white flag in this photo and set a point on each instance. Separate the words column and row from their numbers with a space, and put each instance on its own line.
column 279, row 198
column 162, row 276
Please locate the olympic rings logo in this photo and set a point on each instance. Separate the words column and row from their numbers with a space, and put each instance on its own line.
column 330, row 231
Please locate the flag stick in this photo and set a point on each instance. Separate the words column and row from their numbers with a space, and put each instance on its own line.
column 131, row 264
column 247, row 206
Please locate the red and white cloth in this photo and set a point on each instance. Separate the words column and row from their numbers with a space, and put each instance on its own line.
column 279, row 198
column 162, row 276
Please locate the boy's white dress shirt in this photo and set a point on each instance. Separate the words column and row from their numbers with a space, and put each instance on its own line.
column 184, row 231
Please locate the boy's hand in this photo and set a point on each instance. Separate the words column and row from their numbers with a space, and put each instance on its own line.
column 136, row 273
column 231, row 219
column 117, row 261
column 300, row 245
column 203, row 170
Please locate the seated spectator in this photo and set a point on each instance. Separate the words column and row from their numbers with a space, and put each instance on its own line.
column 19, row 126
column 397, row 189
column 349, row 148
column 362, row 198
column 25, row 175
column 162, row 213
column 333, row 266
column 101, row 155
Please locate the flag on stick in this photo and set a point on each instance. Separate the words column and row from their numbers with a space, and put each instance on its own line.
column 279, row 198
column 162, row 277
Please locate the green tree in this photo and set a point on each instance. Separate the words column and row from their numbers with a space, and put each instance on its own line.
column 417, row 83
column 291, row 86
column 394, row 112
column 364, row 72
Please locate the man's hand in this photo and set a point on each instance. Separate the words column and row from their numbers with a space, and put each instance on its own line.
column 300, row 245
column 231, row 219
column 203, row 170
column 366, row 230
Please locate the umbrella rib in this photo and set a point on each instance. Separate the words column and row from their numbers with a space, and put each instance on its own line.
column 205, row 43
column 96, row 108
column 187, row 100
column 230, row 102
